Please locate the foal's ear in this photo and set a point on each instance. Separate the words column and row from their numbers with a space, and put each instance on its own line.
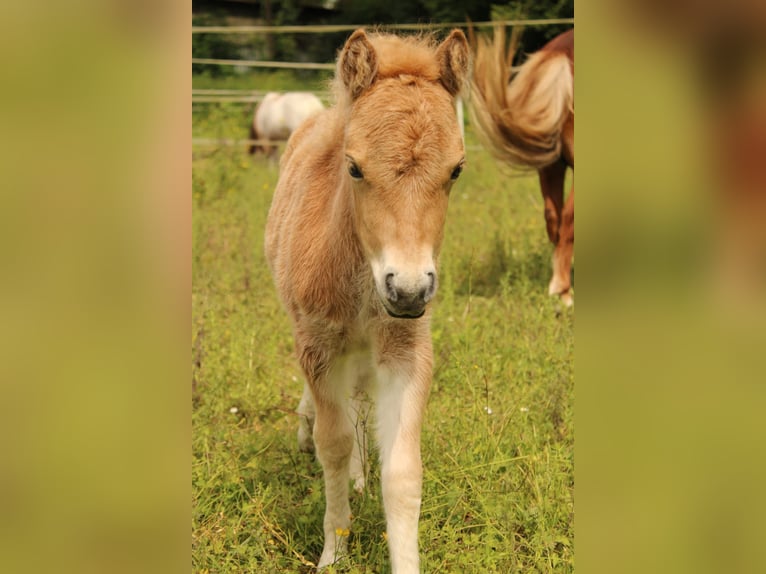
column 454, row 60
column 358, row 64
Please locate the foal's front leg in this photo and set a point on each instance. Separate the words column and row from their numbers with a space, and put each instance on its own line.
column 401, row 402
column 333, row 434
column 334, row 440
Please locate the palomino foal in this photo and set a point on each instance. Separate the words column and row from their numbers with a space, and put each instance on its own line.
column 352, row 239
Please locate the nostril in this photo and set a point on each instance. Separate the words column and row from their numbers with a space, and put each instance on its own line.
column 390, row 290
column 431, row 289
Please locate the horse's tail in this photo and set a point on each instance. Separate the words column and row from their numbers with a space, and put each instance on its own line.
column 519, row 117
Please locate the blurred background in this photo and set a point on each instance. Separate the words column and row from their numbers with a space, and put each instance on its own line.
column 670, row 333
column 323, row 47
column 242, row 49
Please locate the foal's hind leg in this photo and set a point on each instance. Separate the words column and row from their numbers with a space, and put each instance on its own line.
column 307, row 415
column 552, row 187
column 360, row 410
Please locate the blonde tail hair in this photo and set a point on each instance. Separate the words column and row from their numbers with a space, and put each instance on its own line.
column 519, row 117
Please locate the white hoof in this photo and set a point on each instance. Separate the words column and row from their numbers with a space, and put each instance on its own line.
column 567, row 299
column 359, row 484
column 332, row 554
column 557, row 287
column 305, row 435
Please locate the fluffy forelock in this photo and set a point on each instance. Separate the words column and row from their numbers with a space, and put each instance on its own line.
column 413, row 55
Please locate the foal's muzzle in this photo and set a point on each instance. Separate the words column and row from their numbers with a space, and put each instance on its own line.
column 406, row 298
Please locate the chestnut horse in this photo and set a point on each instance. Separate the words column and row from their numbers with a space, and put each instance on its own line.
column 352, row 239
column 527, row 120
column 279, row 114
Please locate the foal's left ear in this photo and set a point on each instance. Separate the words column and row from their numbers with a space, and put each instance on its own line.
column 454, row 60
column 358, row 64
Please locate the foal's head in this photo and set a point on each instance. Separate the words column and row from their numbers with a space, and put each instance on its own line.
column 403, row 150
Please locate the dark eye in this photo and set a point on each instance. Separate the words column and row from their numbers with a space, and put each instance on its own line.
column 354, row 171
column 456, row 172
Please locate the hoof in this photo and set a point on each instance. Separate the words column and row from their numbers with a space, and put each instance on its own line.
column 332, row 556
column 557, row 286
column 305, row 437
column 562, row 290
column 567, row 299
column 359, row 484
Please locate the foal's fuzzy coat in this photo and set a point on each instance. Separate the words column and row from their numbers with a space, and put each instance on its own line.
column 352, row 238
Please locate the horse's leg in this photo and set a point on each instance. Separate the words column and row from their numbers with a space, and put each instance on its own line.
column 404, row 381
column 334, row 441
column 333, row 434
column 565, row 248
column 253, row 136
column 360, row 409
column 306, row 414
column 552, row 187
column 274, row 153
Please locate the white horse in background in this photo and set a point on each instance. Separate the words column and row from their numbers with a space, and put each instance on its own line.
column 278, row 115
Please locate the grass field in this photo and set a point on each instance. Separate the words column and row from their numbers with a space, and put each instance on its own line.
column 498, row 438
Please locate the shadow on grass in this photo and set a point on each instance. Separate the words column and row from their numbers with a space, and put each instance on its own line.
column 487, row 273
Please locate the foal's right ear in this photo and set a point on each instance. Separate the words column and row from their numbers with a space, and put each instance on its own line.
column 358, row 64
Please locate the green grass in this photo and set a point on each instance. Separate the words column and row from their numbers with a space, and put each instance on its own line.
column 498, row 488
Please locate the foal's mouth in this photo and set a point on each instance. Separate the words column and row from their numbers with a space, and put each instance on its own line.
column 405, row 316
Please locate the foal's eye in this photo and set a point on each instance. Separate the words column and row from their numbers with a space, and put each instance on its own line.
column 354, row 171
column 456, row 172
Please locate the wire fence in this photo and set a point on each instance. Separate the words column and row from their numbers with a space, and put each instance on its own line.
column 342, row 28
column 215, row 142
column 329, row 28
column 266, row 64
column 240, row 96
